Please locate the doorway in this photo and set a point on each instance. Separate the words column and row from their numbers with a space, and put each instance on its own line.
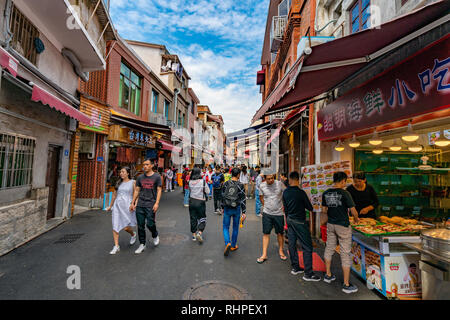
column 51, row 180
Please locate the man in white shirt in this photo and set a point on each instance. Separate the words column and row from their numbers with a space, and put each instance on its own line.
column 169, row 177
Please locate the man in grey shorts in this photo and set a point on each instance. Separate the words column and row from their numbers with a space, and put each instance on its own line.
column 335, row 205
column 271, row 196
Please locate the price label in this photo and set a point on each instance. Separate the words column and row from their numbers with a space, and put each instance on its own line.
column 384, row 159
column 384, row 183
column 417, row 208
column 399, row 208
column 386, row 208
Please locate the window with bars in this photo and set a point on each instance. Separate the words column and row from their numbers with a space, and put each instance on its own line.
column 24, row 35
column 16, row 160
column 360, row 15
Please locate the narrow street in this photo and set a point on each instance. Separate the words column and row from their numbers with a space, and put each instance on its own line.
column 37, row 270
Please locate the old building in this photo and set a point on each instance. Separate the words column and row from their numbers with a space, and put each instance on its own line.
column 45, row 47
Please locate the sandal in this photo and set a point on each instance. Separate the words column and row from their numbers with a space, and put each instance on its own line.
column 283, row 257
column 261, row 260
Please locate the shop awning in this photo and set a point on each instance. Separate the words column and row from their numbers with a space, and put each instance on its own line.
column 8, row 62
column 40, row 95
column 260, row 76
column 331, row 63
column 166, row 145
column 139, row 124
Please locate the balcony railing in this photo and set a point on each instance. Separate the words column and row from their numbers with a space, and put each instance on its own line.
column 158, row 119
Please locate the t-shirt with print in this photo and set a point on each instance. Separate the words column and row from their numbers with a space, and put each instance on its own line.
column 338, row 202
column 149, row 189
column 273, row 197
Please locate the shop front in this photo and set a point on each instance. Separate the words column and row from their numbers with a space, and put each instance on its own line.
column 128, row 147
column 395, row 128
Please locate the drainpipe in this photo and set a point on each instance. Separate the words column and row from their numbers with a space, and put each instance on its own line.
column 175, row 102
column 6, row 30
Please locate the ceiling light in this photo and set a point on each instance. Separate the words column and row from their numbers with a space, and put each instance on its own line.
column 410, row 135
column 415, row 148
column 354, row 143
column 340, row 146
column 375, row 140
column 378, row 150
column 395, row 146
column 442, row 141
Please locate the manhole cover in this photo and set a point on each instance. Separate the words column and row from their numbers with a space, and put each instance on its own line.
column 216, row 290
column 69, row 238
column 172, row 239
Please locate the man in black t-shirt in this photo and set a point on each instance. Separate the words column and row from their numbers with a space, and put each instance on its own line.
column 295, row 202
column 147, row 195
column 336, row 202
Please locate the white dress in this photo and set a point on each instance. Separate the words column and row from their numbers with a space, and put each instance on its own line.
column 121, row 215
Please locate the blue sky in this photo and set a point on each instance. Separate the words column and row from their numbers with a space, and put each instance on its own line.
column 219, row 43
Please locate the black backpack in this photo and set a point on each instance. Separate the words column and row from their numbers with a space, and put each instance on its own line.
column 231, row 194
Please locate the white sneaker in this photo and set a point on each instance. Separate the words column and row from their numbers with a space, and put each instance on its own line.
column 115, row 250
column 140, row 249
column 156, row 241
column 133, row 239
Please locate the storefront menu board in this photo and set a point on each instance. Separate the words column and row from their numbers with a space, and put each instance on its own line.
column 318, row 178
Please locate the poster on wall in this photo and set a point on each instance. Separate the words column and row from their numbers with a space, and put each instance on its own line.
column 318, row 178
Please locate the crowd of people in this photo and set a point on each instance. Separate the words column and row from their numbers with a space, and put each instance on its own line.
column 281, row 205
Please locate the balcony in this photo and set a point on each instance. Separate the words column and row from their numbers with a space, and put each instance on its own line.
column 277, row 32
column 59, row 22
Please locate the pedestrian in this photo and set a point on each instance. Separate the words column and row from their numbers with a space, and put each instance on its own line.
column 295, row 203
column 336, row 203
column 187, row 177
column 271, row 193
column 364, row 196
column 169, row 177
column 227, row 175
column 244, row 179
column 147, row 195
column 253, row 176
column 198, row 193
column 174, row 179
column 209, row 174
column 217, row 183
column 258, row 181
column 234, row 202
column 284, row 179
column 122, row 217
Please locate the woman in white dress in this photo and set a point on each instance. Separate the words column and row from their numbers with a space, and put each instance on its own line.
column 122, row 217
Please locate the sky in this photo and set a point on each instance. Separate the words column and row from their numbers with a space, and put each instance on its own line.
column 219, row 43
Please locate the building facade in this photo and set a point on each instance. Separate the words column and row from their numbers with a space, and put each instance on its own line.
column 45, row 48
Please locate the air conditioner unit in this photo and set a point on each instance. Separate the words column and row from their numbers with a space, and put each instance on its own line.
column 87, row 144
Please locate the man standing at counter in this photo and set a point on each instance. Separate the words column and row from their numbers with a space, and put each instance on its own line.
column 336, row 202
column 364, row 196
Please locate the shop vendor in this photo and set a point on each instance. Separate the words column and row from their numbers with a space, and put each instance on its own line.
column 364, row 196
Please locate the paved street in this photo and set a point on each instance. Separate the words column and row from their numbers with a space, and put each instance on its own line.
column 37, row 270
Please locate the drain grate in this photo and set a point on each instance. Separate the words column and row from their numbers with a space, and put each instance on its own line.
column 216, row 290
column 69, row 238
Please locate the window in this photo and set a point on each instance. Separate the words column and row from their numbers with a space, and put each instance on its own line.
column 166, row 109
column 24, row 35
column 130, row 90
column 154, row 101
column 179, row 117
column 192, row 107
column 16, row 160
column 360, row 16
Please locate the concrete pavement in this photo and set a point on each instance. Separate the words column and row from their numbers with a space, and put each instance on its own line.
column 178, row 268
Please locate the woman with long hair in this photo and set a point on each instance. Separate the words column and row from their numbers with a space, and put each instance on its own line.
column 198, row 193
column 122, row 217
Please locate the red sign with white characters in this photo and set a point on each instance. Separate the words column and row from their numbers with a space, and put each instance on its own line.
column 418, row 85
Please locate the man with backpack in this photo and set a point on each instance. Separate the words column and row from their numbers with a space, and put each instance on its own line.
column 217, row 183
column 233, row 202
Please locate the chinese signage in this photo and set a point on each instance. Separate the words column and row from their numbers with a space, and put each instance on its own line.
column 131, row 136
column 98, row 113
column 417, row 86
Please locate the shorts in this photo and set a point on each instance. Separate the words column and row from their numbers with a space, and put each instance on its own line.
column 342, row 235
column 270, row 221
